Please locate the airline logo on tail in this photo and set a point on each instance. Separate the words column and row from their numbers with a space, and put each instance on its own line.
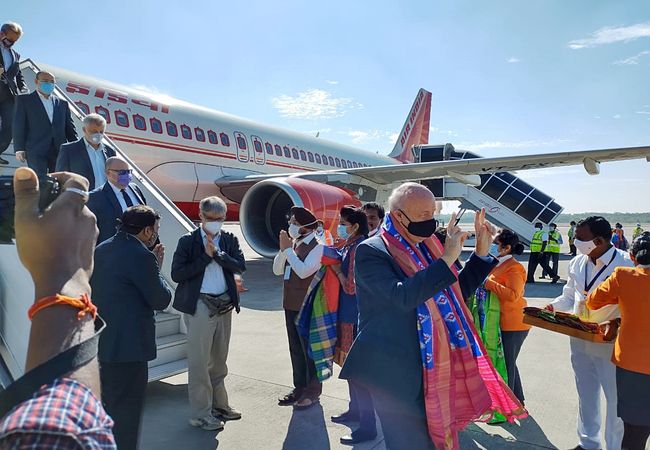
column 416, row 128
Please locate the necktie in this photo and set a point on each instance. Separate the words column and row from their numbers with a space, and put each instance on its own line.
column 127, row 198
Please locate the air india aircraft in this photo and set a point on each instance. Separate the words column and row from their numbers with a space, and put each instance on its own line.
column 191, row 152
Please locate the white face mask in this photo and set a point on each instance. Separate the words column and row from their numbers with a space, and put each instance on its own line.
column 294, row 231
column 213, row 227
column 96, row 138
column 584, row 247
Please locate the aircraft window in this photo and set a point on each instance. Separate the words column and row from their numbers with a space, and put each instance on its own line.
column 104, row 113
column 318, row 160
column 172, row 130
column 82, row 106
column 331, row 160
column 258, row 146
column 278, row 150
column 139, row 123
column 354, row 164
column 325, row 160
column 310, row 156
column 349, row 164
column 186, row 132
column 156, row 125
column 338, row 162
column 212, row 137
column 121, row 119
column 294, row 153
column 269, row 148
column 241, row 143
column 303, row 155
column 287, row 152
column 225, row 140
column 199, row 134
column 344, row 164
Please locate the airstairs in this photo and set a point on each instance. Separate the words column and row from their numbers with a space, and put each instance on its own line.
column 509, row 201
column 17, row 290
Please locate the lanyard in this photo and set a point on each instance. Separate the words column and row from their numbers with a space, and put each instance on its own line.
column 593, row 280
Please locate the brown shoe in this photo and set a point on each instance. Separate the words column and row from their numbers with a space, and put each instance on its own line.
column 291, row 398
column 305, row 403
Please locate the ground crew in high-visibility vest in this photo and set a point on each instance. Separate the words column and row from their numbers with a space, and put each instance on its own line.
column 572, row 238
column 638, row 231
column 537, row 246
column 552, row 250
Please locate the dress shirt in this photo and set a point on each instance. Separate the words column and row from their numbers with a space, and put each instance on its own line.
column 97, row 162
column 581, row 267
column 214, row 282
column 374, row 232
column 503, row 259
column 305, row 268
column 48, row 104
column 120, row 198
column 7, row 57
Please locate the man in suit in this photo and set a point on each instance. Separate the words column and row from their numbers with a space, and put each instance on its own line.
column 11, row 82
column 110, row 200
column 386, row 356
column 127, row 288
column 204, row 266
column 88, row 155
column 42, row 123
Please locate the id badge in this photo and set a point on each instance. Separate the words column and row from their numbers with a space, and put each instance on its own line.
column 287, row 273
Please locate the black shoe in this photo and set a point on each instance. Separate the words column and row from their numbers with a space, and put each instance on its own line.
column 578, row 447
column 358, row 436
column 305, row 403
column 530, row 281
column 3, row 161
column 289, row 399
column 542, row 277
column 555, row 279
column 347, row 416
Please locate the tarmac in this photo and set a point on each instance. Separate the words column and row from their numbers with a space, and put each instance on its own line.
column 260, row 372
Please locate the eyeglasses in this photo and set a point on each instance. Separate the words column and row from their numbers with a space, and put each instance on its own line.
column 122, row 171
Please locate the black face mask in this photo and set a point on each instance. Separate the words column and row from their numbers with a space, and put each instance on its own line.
column 424, row 228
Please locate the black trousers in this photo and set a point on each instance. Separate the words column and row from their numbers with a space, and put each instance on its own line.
column 535, row 259
column 512, row 342
column 553, row 260
column 6, row 120
column 123, row 392
column 305, row 380
column 361, row 404
column 43, row 164
column 635, row 437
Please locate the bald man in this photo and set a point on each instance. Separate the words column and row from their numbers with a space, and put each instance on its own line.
column 111, row 199
column 386, row 357
column 42, row 123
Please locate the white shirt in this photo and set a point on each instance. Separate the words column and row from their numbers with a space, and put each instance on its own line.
column 48, row 104
column 303, row 269
column 375, row 231
column 120, row 197
column 503, row 259
column 214, row 282
column 581, row 267
column 97, row 162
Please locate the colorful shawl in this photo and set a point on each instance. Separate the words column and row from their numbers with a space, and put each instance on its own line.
column 486, row 311
column 317, row 319
column 460, row 383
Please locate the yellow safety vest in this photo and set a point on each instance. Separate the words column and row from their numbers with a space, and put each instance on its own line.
column 637, row 232
column 536, row 243
column 552, row 246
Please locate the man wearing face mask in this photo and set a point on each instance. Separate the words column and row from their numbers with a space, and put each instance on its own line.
column 88, row 155
column 127, row 288
column 537, row 246
column 375, row 214
column 591, row 362
column 11, row 81
column 42, row 123
column 298, row 261
column 204, row 266
column 111, row 199
column 552, row 249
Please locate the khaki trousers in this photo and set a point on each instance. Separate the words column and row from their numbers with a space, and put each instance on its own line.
column 208, row 339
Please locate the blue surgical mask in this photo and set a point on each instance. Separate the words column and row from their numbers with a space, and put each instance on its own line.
column 46, row 87
column 494, row 250
column 342, row 232
column 124, row 180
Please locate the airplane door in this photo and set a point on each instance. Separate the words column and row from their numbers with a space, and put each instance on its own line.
column 258, row 150
column 243, row 149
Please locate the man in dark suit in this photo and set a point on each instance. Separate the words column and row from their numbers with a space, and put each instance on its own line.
column 204, row 266
column 110, row 200
column 42, row 123
column 88, row 155
column 11, row 82
column 386, row 357
column 127, row 287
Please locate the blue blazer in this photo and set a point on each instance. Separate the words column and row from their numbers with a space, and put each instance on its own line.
column 385, row 356
column 32, row 130
column 73, row 157
column 127, row 287
column 104, row 204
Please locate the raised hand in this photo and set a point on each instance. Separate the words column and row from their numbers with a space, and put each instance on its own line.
column 209, row 247
column 454, row 241
column 485, row 233
column 159, row 251
column 285, row 240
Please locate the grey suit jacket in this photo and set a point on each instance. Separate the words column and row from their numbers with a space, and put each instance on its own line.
column 73, row 157
column 32, row 130
column 104, row 204
column 15, row 82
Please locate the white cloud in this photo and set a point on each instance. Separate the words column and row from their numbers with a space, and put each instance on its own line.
column 440, row 131
column 616, row 116
column 643, row 112
column 477, row 146
column 366, row 136
column 392, row 138
column 314, row 104
column 513, row 60
column 632, row 60
column 596, row 117
column 610, row 35
column 331, row 82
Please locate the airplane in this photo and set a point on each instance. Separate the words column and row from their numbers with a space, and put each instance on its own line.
column 191, row 152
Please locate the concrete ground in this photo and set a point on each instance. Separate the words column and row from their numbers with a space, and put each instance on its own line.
column 260, row 372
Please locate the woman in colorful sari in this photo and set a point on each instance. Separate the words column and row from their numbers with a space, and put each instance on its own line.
column 352, row 229
column 498, row 310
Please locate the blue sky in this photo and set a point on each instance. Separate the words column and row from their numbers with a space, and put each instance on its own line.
column 508, row 77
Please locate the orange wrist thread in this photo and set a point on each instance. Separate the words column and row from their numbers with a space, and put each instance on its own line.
column 83, row 303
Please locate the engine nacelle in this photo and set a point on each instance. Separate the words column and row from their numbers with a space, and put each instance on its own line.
column 265, row 206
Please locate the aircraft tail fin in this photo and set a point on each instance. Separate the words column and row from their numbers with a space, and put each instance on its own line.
column 416, row 128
